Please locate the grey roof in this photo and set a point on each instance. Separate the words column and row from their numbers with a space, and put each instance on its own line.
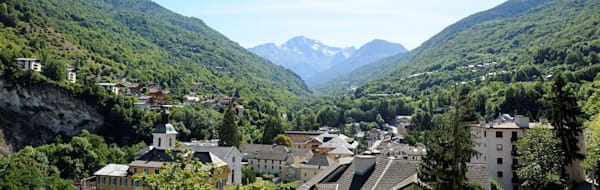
column 165, row 128
column 113, row 170
column 341, row 150
column 386, row 174
column 270, row 152
column 321, row 160
column 305, row 132
column 222, row 152
column 155, row 157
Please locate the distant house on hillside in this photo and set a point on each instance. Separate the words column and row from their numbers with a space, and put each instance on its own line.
column 29, row 64
column 115, row 88
column 71, row 75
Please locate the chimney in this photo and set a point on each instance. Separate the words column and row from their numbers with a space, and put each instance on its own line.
column 362, row 163
column 522, row 121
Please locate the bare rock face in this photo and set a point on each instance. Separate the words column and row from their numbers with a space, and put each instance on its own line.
column 35, row 115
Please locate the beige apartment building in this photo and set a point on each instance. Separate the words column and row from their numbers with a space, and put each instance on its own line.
column 496, row 143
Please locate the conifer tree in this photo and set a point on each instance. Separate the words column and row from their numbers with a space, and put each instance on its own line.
column 451, row 147
column 564, row 114
column 229, row 133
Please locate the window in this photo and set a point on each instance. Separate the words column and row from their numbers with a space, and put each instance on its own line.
column 498, row 134
column 134, row 170
column 112, row 181
column 170, row 142
column 499, row 147
column 232, row 175
column 233, row 159
column 123, row 181
column 135, row 183
column 156, row 171
column 514, row 135
column 159, row 141
column 146, row 170
column 500, row 174
column 101, row 180
column 484, row 133
column 499, row 160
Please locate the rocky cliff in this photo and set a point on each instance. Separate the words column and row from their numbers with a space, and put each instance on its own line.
column 34, row 115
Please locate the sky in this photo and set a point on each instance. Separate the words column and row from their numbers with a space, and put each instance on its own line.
column 340, row 23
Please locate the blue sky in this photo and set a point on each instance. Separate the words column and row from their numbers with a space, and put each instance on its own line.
column 339, row 23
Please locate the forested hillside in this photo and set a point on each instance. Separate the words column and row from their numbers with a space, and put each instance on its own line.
column 518, row 41
column 140, row 41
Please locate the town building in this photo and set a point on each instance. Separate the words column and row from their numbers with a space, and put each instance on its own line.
column 300, row 138
column 231, row 155
column 495, row 141
column 149, row 160
column 29, row 64
column 272, row 158
column 370, row 172
column 306, row 170
column 114, row 88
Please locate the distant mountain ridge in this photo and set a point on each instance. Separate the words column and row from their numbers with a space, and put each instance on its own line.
column 303, row 55
column 518, row 35
column 370, row 52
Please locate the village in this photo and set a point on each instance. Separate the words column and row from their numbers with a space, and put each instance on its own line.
column 320, row 159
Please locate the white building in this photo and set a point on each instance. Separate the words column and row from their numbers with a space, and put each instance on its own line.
column 29, row 64
column 231, row 155
column 495, row 141
column 71, row 75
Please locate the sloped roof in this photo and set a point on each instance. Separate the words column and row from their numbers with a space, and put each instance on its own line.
column 321, row 160
column 113, row 170
column 155, row 158
column 385, row 174
column 221, row 152
column 341, row 150
column 271, row 152
column 165, row 128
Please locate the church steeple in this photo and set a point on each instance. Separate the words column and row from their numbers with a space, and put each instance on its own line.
column 164, row 134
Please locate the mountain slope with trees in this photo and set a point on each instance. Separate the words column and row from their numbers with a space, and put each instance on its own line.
column 140, row 41
column 519, row 40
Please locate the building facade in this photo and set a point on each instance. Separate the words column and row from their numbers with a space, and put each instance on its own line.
column 149, row 161
column 29, row 64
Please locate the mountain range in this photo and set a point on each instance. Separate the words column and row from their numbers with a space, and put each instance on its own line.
column 316, row 62
column 370, row 52
column 303, row 55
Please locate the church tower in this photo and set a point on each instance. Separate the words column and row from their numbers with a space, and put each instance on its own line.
column 164, row 135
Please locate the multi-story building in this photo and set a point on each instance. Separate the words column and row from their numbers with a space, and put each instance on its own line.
column 301, row 138
column 29, row 64
column 231, row 155
column 496, row 143
column 71, row 75
column 272, row 158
